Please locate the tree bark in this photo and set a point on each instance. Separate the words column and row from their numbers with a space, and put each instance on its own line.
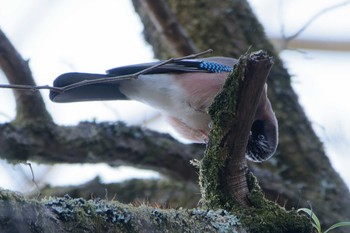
column 300, row 171
column 29, row 105
column 165, row 193
column 223, row 169
column 67, row 214
column 89, row 142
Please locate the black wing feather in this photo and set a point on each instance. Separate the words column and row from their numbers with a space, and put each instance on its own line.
column 97, row 91
column 182, row 66
column 110, row 90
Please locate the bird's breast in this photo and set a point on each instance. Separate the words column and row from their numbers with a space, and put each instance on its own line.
column 183, row 98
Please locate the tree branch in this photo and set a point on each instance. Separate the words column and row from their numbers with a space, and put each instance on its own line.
column 89, row 142
column 167, row 193
column 29, row 105
column 79, row 215
column 313, row 18
column 129, row 76
column 67, row 214
column 101, row 80
column 223, row 169
column 283, row 43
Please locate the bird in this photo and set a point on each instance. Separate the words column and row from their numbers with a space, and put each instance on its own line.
column 182, row 90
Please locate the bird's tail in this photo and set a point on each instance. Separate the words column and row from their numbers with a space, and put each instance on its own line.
column 85, row 92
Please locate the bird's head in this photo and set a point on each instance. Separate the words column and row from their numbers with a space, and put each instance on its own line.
column 263, row 138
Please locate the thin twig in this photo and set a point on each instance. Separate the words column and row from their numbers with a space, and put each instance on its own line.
column 33, row 179
column 102, row 80
column 313, row 18
column 134, row 75
column 30, row 87
column 192, row 56
column 106, row 194
column 5, row 116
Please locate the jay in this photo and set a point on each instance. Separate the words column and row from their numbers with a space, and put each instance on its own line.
column 182, row 90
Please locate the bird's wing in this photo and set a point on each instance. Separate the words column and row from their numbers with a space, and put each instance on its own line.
column 227, row 61
column 96, row 91
column 182, row 66
column 109, row 90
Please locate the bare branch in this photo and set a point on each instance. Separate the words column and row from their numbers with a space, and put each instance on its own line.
column 33, row 179
column 30, row 88
column 30, row 106
column 111, row 143
column 287, row 39
column 102, row 80
column 134, row 75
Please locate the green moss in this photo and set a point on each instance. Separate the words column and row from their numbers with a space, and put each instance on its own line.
column 256, row 195
column 223, row 113
column 266, row 216
column 79, row 215
column 274, row 219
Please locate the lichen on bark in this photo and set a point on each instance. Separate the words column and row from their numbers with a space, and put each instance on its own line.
column 66, row 214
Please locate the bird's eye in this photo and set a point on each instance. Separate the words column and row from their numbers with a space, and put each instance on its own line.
column 261, row 137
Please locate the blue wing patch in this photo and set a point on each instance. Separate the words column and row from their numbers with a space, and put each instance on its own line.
column 183, row 66
column 214, row 67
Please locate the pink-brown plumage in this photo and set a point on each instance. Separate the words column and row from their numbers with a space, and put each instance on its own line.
column 201, row 92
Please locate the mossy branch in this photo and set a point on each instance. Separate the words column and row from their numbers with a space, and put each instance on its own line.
column 223, row 169
column 67, row 214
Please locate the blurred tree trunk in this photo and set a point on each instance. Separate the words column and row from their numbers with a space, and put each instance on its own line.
column 300, row 171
